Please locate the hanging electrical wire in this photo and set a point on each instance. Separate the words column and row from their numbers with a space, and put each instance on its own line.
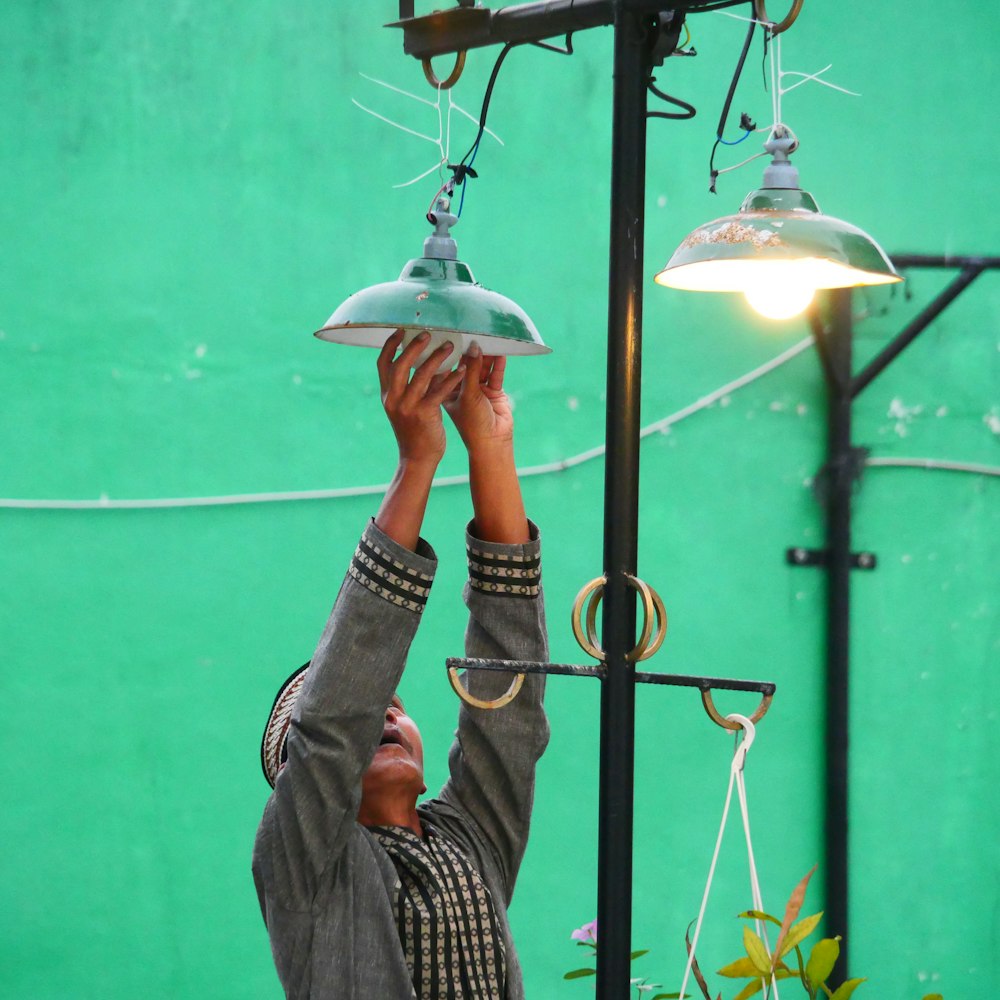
column 746, row 124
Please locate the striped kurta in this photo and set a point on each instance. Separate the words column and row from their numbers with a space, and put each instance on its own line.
column 445, row 916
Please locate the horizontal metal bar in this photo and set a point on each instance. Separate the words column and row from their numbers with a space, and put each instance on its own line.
column 458, row 29
column 799, row 556
column 706, row 683
column 525, row 667
column 599, row 671
column 462, row 28
column 906, row 260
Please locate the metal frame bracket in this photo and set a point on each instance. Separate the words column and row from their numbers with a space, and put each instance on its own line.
column 798, row 556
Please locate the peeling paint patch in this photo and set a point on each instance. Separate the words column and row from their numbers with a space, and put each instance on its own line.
column 573, row 404
column 903, row 415
column 661, row 201
column 734, row 232
column 992, row 420
column 199, row 351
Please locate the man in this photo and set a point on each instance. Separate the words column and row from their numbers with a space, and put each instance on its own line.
column 367, row 894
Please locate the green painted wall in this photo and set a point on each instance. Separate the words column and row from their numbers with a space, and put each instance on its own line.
column 188, row 192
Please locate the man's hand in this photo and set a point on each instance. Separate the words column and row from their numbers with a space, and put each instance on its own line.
column 479, row 407
column 413, row 405
column 482, row 413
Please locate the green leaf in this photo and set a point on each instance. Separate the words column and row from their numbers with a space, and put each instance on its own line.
column 750, row 989
column 756, row 952
column 758, row 915
column 847, row 988
column 800, row 931
column 822, row 959
column 638, row 954
column 580, row 973
column 587, row 944
column 742, row 968
column 792, row 911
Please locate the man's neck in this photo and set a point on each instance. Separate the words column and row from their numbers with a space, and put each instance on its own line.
column 391, row 813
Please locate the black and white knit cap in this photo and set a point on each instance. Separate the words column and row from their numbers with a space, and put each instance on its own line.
column 273, row 747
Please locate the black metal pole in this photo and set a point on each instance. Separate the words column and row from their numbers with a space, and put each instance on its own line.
column 840, row 481
column 621, row 504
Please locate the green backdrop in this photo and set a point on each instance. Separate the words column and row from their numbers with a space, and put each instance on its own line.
column 188, row 191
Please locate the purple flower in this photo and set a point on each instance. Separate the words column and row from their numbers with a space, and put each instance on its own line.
column 586, row 933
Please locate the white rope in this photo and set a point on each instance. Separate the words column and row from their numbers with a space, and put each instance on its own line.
column 748, row 733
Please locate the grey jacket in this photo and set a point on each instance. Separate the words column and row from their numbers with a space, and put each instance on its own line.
column 325, row 885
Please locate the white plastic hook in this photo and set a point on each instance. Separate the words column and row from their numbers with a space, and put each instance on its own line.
column 749, row 734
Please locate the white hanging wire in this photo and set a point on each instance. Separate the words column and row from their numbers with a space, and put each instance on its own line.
column 778, row 90
column 443, row 138
column 748, row 733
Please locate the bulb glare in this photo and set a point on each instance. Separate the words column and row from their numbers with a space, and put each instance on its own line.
column 779, row 300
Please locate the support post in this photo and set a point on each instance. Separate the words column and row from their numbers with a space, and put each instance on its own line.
column 621, row 503
column 840, row 483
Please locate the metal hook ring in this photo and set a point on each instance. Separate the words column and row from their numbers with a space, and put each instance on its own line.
column 760, row 12
column 452, row 77
column 470, row 699
column 713, row 712
column 585, row 630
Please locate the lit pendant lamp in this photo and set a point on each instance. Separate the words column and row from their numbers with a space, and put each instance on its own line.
column 779, row 248
column 436, row 293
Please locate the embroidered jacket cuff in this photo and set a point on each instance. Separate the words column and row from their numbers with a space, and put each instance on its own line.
column 510, row 570
column 393, row 572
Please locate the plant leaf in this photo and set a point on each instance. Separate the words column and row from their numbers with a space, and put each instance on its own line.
column 799, row 932
column 750, row 989
column 580, row 973
column 638, row 954
column 742, row 968
column 757, row 952
column 822, row 959
column 845, row 989
column 792, row 911
column 758, row 915
column 695, row 968
column 930, row 996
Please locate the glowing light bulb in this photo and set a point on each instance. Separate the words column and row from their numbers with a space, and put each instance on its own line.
column 780, row 299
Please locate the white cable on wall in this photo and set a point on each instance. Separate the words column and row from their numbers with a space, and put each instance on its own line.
column 657, row 427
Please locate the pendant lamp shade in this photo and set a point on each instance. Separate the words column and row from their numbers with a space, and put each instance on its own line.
column 436, row 293
column 779, row 242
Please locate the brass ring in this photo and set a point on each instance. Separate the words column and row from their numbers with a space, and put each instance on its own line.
column 760, row 12
column 470, row 699
column 585, row 630
column 653, row 606
column 452, row 78
column 706, row 700
column 588, row 642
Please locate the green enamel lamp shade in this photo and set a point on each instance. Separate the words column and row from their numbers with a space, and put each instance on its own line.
column 442, row 297
column 778, row 231
column 779, row 248
column 438, row 294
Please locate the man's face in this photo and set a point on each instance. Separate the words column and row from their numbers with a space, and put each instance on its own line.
column 399, row 759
